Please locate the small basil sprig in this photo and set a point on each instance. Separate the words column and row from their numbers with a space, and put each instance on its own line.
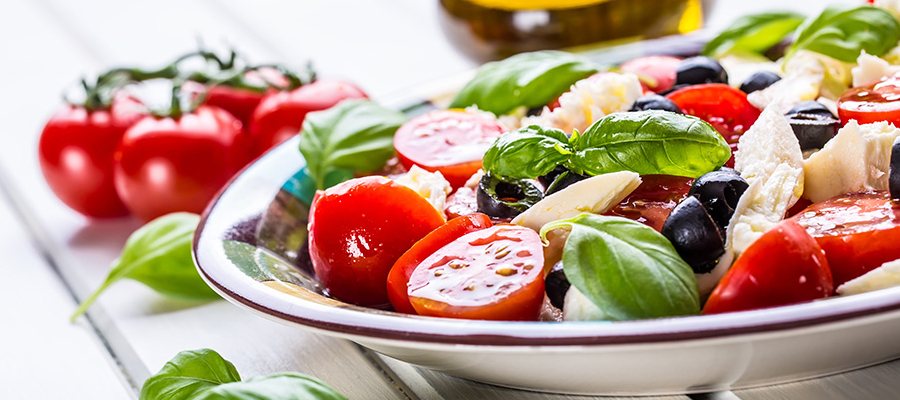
column 204, row 375
column 355, row 135
column 842, row 33
column 646, row 142
column 754, row 33
column 527, row 79
column 626, row 268
column 159, row 256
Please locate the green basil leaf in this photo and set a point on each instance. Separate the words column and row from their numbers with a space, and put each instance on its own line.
column 529, row 152
column 159, row 256
column 629, row 270
column 527, row 79
column 355, row 134
column 650, row 142
column 842, row 33
column 284, row 386
column 754, row 33
column 189, row 374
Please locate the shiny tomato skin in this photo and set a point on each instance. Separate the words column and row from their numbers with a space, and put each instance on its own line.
column 784, row 266
column 398, row 278
column 490, row 274
column 241, row 102
column 858, row 231
column 879, row 101
column 653, row 201
column 164, row 165
column 661, row 69
column 357, row 231
column 76, row 157
column 452, row 142
column 280, row 115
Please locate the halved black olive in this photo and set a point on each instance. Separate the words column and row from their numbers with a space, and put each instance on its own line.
column 655, row 102
column 563, row 181
column 810, row 107
column 697, row 70
column 813, row 130
column 556, row 285
column 695, row 235
column 759, row 81
column 551, row 176
column 505, row 199
column 719, row 192
column 894, row 170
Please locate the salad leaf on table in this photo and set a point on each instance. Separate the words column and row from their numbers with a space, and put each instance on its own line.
column 159, row 256
column 754, row 33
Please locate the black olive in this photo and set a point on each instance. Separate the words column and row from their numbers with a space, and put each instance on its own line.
column 759, row 81
column 694, row 235
column 563, row 181
column 697, row 70
column 534, row 111
column 719, row 192
column 556, row 285
column 894, row 170
column 655, row 102
column 810, row 107
column 505, row 199
column 813, row 130
column 551, row 176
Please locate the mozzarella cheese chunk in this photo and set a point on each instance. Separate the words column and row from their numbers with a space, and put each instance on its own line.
column 770, row 160
column 430, row 185
column 578, row 307
column 858, row 158
column 594, row 195
column 885, row 276
column 803, row 78
column 589, row 100
column 871, row 69
column 708, row 281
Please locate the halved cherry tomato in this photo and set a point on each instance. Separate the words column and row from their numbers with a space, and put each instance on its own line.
column 462, row 202
column 659, row 69
column 357, row 231
column 653, row 201
column 784, row 266
column 494, row 273
column 280, row 115
column 723, row 106
column 879, row 101
column 398, row 278
column 450, row 141
column 858, row 231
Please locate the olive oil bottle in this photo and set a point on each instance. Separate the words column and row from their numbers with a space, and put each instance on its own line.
column 493, row 29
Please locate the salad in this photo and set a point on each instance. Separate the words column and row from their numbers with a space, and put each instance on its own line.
column 755, row 175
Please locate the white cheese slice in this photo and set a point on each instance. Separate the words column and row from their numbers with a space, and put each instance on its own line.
column 885, row 276
column 589, row 100
column 871, row 69
column 594, row 195
column 578, row 307
column 858, row 158
column 430, row 185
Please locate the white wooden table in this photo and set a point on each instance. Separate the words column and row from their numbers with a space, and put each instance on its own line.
column 52, row 257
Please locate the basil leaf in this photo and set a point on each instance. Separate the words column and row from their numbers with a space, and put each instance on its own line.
column 355, row 134
column 189, row 374
column 650, row 142
column 629, row 270
column 284, row 386
column 527, row 153
column 527, row 79
column 755, row 33
column 842, row 33
column 159, row 256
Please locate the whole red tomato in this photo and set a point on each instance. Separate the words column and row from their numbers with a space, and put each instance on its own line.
column 163, row 165
column 76, row 156
column 280, row 115
column 242, row 101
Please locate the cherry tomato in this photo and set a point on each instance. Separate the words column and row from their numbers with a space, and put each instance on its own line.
column 357, row 231
column 76, row 156
column 494, row 273
column 163, row 165
column 462, row 202
column 398, row 278
column 280, row 115
column 660, row 70
column 858, row 231
column 653, row 201
column 723, row 106
column 452, row 142
column 879, row 101
column 241, row 102
column 784, row 266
